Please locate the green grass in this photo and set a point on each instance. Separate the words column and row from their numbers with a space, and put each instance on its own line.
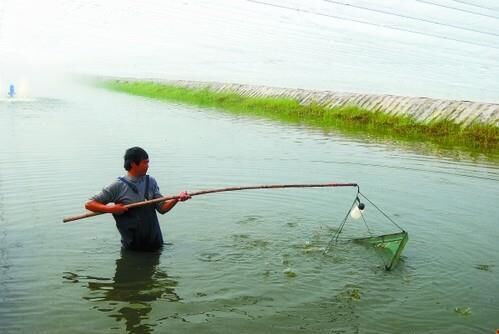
column 476, row 138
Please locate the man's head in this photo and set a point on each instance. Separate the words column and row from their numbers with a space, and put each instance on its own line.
column 136, row 161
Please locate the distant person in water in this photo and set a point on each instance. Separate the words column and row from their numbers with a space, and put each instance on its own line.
column 139, row 227
column 12, row 91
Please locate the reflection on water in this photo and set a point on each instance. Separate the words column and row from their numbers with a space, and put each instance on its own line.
column 128, row 297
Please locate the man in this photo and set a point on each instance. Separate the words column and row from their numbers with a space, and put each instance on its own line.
column 139, row 227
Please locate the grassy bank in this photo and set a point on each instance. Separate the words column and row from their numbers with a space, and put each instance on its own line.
column 480, row 138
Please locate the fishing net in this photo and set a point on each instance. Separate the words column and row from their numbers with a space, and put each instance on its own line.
column 388, row 246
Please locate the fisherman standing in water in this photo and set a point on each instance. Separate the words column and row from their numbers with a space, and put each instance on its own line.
column 139, row 227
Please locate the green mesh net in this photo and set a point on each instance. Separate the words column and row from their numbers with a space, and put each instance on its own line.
column 390, row 246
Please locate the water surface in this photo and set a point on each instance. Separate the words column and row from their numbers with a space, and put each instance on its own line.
column 229, row 258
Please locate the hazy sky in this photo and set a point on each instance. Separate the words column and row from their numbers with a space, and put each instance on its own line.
column 442, row 48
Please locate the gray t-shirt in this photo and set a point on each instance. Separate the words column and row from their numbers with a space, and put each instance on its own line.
column 139, row 227
column 120, row 192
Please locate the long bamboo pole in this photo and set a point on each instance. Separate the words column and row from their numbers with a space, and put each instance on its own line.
column 211, row 191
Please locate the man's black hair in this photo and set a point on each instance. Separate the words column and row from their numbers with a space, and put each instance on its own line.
column 134, row 154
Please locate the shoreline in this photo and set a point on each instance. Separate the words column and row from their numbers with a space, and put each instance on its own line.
column 473, row 126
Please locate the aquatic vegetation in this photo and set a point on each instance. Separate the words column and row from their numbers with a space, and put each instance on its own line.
column 355, row 294
column 476, row 137
column 463, row 310
column 249, row 220
column 289, row 273
column 484, row 267
column 350, row 294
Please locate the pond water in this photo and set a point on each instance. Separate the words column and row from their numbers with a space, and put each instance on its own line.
column 238, row 262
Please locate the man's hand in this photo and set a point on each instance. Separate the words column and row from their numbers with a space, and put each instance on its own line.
column 183, row 196
column 168, row 205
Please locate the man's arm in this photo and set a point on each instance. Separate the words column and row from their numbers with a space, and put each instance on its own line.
column 95, row 206
column 168, row 205
column 105, row 201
